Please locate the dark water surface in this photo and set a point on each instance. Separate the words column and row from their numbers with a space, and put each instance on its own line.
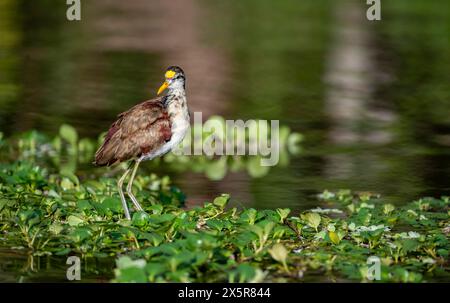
column 371, row 98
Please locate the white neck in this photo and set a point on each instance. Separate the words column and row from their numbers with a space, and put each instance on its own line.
column 176, row 88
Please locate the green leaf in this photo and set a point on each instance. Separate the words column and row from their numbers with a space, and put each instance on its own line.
column 140, row 218
column 313, row 220
column 84, row 205
column 154, row 269
column 334, row 237
column 69, row 134
column 131, row 275
column 257, row 230
column 222, row 200
column 217, row 169
column 74, row 220
column 293, row 143
column 30, row 217
column 254, row 167
column 113, row 204
column 388, row 208
column 409, row 245
column 249, row 216
column 158, row 219
column 62, row 251
column 154, row 238
column 443, row 252
column 279, row 252
column 66, row 184
column 268, row 226
column 127, row 262
column 244, row 272
column 283, row 213
column 56, row 228
column 80, row 234
column 215, row 224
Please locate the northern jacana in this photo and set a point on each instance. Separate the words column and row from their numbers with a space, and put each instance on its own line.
column 149, row 129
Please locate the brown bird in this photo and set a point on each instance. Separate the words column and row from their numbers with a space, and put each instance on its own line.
column 148, row 130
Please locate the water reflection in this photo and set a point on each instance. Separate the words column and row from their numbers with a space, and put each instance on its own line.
column 16, row 266
column 372, row 100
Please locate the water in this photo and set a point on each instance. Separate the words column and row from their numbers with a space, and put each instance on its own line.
column 22, row 267
column 372, row 99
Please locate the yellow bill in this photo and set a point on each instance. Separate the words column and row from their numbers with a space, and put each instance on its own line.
column 163, row 87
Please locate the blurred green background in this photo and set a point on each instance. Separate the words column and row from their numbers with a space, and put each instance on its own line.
column 372, row 99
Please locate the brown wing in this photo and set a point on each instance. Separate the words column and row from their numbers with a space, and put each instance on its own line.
column 140, row 130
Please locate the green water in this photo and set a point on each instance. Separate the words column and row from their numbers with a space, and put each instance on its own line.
column 247, row 60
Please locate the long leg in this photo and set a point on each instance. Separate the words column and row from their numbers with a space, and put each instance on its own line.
column 122, row 196
column 130, row 185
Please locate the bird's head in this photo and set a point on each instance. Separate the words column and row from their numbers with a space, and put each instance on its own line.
column 175, row 79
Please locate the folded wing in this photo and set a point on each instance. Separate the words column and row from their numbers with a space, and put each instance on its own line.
column 141, row 130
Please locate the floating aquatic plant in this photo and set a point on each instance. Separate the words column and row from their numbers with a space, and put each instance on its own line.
column 50, row 212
